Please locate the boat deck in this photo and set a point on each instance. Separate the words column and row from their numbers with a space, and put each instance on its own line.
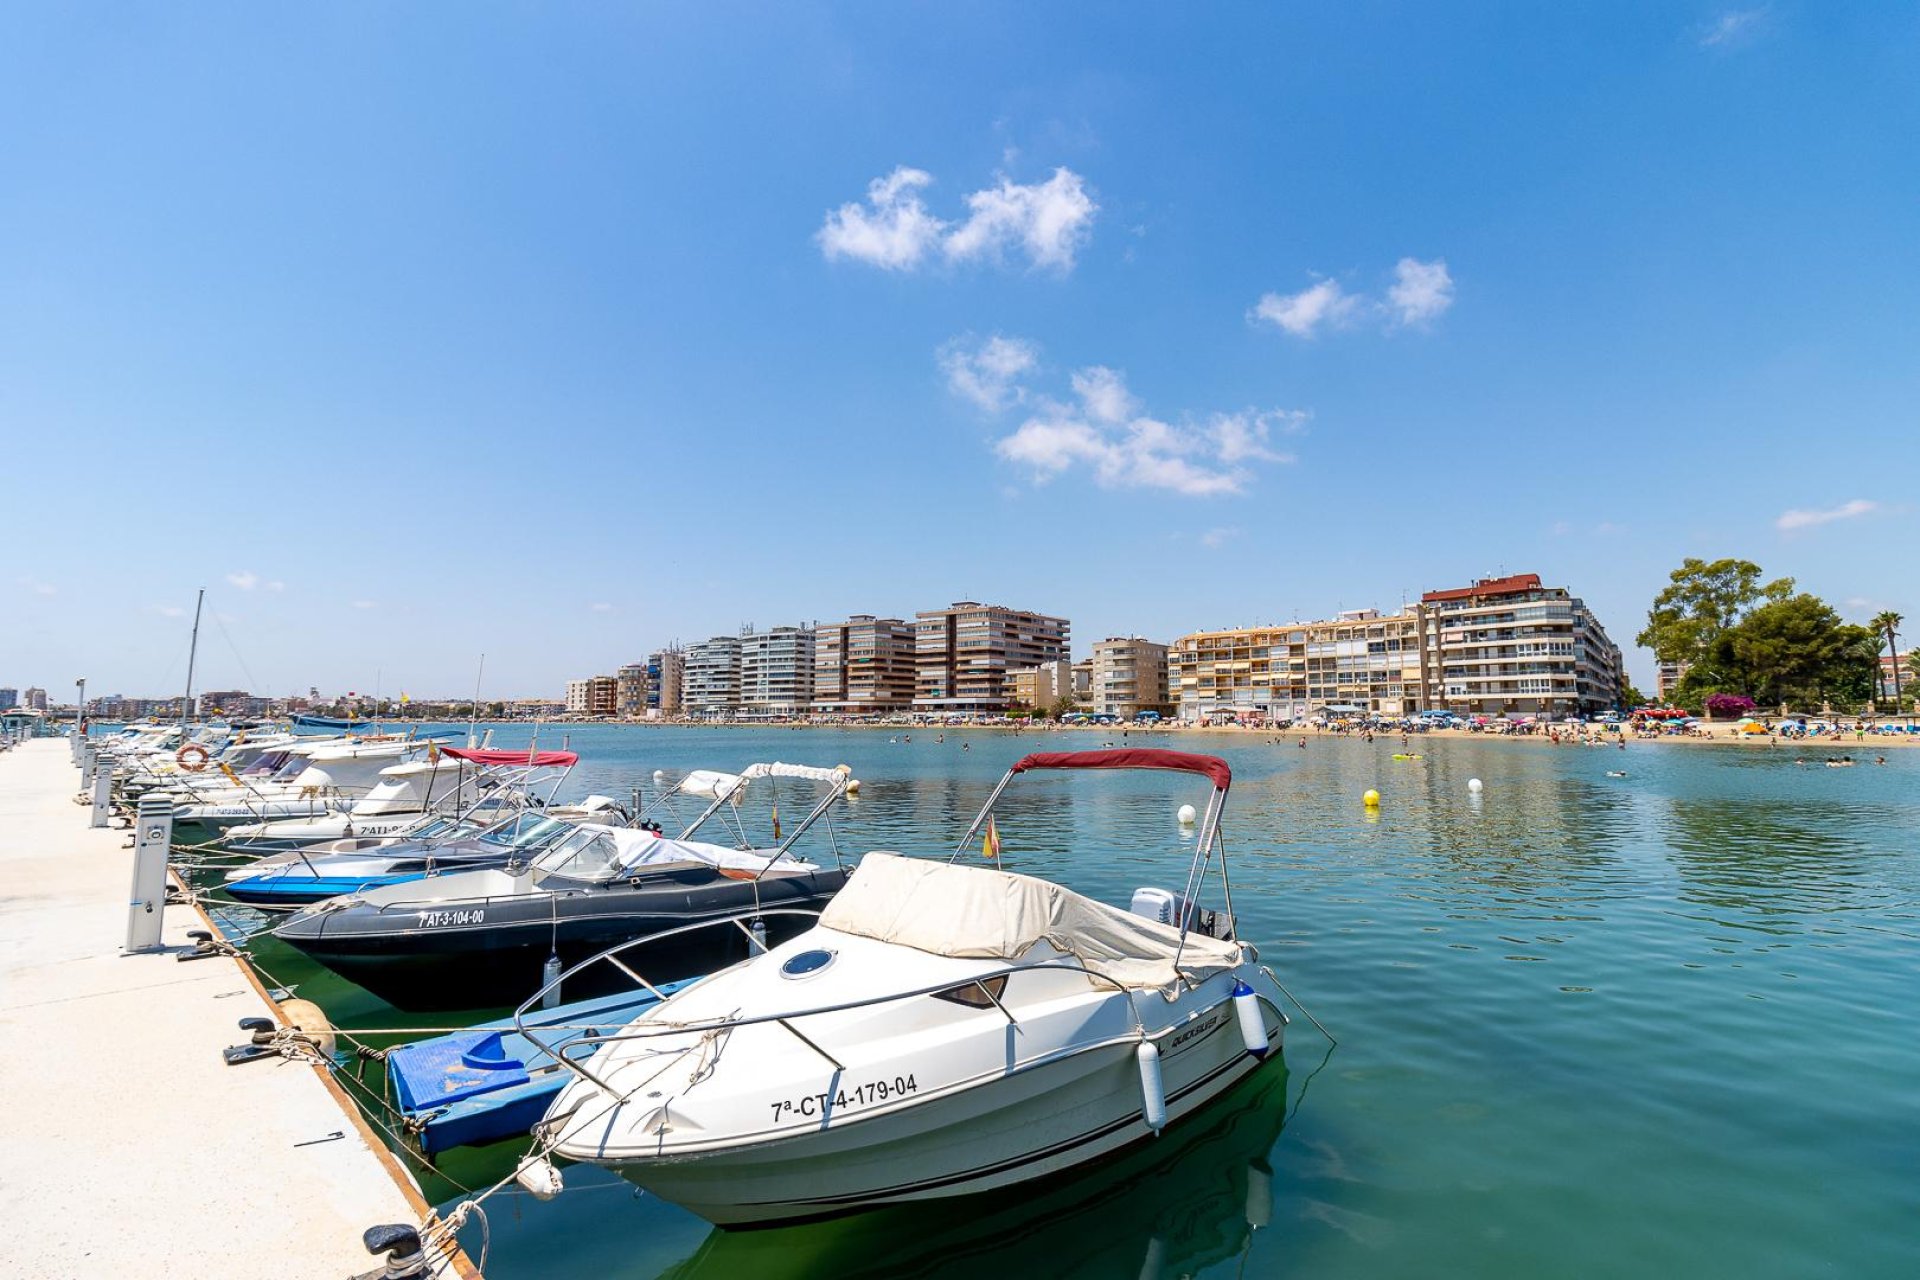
column 134, row 1149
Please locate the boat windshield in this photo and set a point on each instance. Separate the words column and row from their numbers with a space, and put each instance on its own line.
column 589, row 853
column 527, row 831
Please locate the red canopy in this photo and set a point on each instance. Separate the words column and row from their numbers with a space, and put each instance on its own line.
column 533, row 759
column 1182, row 761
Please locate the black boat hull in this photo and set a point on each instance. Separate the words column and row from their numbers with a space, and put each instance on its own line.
column 492, row 953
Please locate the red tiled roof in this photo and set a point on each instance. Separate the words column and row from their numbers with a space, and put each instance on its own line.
column 1512, row 584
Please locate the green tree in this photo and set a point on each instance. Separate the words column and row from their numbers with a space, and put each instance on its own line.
column 1631, row 697
column 1887, row 623
column 1797, row 650
column 1703, row 601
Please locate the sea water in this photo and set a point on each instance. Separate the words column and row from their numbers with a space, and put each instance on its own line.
column 1666, row 1024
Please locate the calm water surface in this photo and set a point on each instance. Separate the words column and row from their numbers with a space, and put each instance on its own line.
column 1666, row 1024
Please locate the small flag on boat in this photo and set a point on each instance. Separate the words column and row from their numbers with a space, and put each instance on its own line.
column 990, row 843
column 228, row 770
column 404, row 699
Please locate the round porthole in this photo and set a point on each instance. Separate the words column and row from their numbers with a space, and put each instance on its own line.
column 806, row 964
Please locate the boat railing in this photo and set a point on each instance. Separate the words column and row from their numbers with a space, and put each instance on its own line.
column 565, row 1054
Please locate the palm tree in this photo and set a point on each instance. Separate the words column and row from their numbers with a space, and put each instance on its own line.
column 1887, row 623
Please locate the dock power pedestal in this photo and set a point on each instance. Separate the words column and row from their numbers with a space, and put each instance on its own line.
column 152, row 838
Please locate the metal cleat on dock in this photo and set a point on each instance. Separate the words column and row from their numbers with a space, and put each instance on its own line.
column 406, row 1258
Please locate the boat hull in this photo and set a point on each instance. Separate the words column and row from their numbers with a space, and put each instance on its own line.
column 1036, row 1122
column 443, row 957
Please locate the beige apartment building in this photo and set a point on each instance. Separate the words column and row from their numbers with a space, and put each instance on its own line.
column 964, row 654
column 863, row 666
column 667, row 677
column 1128, row 676
column 632, row 688
column 593, row 696
column 1043, row 687
column 1361, row 661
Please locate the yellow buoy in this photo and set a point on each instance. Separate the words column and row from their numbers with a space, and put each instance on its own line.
column 1371, row 799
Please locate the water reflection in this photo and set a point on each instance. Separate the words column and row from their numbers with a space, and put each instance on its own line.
column 1169, row 1207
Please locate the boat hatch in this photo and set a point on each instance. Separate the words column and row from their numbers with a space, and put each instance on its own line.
column 807, row 963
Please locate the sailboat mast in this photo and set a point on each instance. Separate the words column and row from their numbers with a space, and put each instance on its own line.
column 193, row 651
column 473, row 720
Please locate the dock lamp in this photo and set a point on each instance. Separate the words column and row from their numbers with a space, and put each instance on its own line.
column 80, row 705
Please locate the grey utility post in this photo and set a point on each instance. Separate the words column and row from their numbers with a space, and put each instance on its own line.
column 153, row 836
column 89, row 761
column 102, row 797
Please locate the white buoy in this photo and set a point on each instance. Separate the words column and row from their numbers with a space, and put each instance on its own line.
column 1187, row 815
column 853, row 787
column 539, row 1176
column 550, row 979
column 659, row 775
column 1253, row 1027
column 1474, row 785
column 1153, row 1095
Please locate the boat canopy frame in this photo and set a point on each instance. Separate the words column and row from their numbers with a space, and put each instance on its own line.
column 1213, row 768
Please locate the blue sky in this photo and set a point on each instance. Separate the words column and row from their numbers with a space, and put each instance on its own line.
column 559, row 332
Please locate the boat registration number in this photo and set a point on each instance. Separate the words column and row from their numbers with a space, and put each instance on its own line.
column 808, row 1105
column 434, row 919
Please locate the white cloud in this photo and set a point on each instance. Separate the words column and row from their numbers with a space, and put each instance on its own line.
column 988, row 374
column 600, row 606
column 1803, row 519
column 1214, row 539
column 1421, row 290
column 1104, row 430
column 1301, row 314
column 169, row 610
column 276, row 585
column 366, row 604
column 38, row 587
column 1048, row 222
column 1561, row 528
column 893, row 230
column 245, row 579
column 1733, row 27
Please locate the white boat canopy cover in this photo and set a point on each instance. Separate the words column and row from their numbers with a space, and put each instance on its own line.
column 604, row 853
column 713, row 784
column 980, row 913
column 709, row 783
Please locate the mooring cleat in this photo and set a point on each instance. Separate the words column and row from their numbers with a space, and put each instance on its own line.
column 406, row 1259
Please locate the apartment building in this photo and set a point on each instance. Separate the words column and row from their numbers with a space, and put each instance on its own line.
column 863, row 666
column 712, row 686
column 1128, row 676
column 776, row 672
column 667, row 680
column 1667, row 677
column 1043, row 687
column 9, row 699
column 1510, row 646
column 576, row 697
column 1358, row 662
column 963, row 654
column 634, row 684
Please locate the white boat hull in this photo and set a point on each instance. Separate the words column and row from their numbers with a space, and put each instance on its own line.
column 1034, row 1122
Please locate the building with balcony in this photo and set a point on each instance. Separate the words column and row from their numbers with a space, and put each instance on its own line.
column 1128, row 676
column 712, row 686
column 666, row 680
column 963, row 654
column 863, row 666
column 1667, row 677
column 34, row 699
column 1510, row 646
column 1042, row 688
column 1359, row 662
column 635, row 685
column 9, row 699
column 776, row 672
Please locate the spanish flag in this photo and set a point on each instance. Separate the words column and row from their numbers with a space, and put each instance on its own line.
column 990, row 843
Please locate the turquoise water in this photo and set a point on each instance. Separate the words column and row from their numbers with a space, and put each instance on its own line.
column 1656, row 1025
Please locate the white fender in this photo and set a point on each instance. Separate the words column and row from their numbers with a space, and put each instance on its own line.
column 1152, row 1095
column 1253, row 1026
column 538, row 1175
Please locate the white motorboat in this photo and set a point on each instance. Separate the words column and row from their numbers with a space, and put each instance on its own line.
column 941, row 1030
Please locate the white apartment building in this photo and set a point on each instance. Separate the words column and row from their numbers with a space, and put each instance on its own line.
column 1130, row 676
column 776, row 672
column 712, row 686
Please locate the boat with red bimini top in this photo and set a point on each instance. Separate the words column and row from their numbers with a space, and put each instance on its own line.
column 941, row 1029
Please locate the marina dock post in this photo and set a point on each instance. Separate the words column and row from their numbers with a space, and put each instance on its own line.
column 146, row 910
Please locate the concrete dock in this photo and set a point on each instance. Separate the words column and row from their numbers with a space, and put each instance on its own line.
column 132, row 1149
